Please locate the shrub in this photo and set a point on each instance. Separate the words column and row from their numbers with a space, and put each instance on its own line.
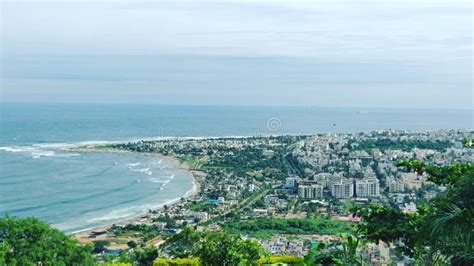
column 177, row 262
column 286, row 259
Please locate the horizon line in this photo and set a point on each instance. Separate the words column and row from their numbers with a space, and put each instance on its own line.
column 237, row 105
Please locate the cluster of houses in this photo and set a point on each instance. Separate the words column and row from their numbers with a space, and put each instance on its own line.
column 329, row 168
column 279, row 245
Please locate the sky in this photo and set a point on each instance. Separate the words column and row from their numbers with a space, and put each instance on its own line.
column 395, row 54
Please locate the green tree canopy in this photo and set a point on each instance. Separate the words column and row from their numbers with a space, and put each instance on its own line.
column 146, row 256
column 221, row 248
column 441, row 231
column 29, row 241
column 214, row 247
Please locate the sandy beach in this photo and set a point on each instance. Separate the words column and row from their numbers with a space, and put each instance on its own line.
column 84, row 236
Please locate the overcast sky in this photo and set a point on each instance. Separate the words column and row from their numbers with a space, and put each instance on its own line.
column 376, row 53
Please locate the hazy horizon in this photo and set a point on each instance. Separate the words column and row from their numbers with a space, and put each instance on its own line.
column 359, row 108
column 364, row 54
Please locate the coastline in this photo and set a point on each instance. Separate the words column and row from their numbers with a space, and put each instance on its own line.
column 83, row 235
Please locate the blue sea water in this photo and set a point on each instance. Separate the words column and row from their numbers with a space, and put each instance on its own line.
column 79, row 190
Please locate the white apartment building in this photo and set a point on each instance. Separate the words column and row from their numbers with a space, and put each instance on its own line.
column 312, row 191
column 396, row 186
column 342, row 188
column 291, row 182
column 367, row 188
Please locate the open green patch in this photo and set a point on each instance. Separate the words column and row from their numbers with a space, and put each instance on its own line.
column 268, row 226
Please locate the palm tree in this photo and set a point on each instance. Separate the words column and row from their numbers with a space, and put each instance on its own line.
column 450, row 225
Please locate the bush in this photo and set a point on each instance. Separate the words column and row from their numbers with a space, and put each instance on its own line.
column 286, row 259
column 177, row 262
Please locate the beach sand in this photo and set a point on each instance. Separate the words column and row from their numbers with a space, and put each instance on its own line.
column 84, row 236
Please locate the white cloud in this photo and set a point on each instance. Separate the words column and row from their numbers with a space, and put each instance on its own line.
column 300, row 28
column 431, row 40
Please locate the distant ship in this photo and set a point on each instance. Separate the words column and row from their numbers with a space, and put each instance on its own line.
column 363, row 112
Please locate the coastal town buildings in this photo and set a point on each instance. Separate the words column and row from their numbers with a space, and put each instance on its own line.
column 291, row 182
column 311, row 191
column 342, row 188
column 299, row 177
column 368, row 187
column 395, row 186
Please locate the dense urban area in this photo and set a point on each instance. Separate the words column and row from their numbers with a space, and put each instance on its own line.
column 299, row 200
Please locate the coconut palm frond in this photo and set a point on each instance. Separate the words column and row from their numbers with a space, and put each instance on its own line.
column 451, row 220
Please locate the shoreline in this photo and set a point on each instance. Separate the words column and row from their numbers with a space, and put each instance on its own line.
column 83, row 235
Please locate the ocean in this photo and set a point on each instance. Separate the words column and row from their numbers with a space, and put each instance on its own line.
column 78, row 190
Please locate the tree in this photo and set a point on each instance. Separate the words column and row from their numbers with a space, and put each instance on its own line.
column 124, row 257
column 441, row 231
column 146, row 256
column 3, row 253
column 100, row 246
column 29, row 241
column 315, row 250
column 216, row 248
column 282, row 260
column 213, row 248
column 222, row 248
column 132, row 244
column 249, row 251
column 469, row 142
column 350, row 245
column 177, row 262
column 180, row 245
column 342, row 252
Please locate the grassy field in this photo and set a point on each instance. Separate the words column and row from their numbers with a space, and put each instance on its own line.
column 194, row 163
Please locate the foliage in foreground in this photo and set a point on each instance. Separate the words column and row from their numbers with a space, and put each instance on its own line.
column 284, row 259
column 177, row 262
column 215, row 247
column 441, row 231
column 271, row 260
column 31, row 241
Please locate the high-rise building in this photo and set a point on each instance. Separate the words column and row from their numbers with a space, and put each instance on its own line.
column 291, row 182
column 342, row 188
column 312, row 191
column 395, row 186
column 367, row 188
